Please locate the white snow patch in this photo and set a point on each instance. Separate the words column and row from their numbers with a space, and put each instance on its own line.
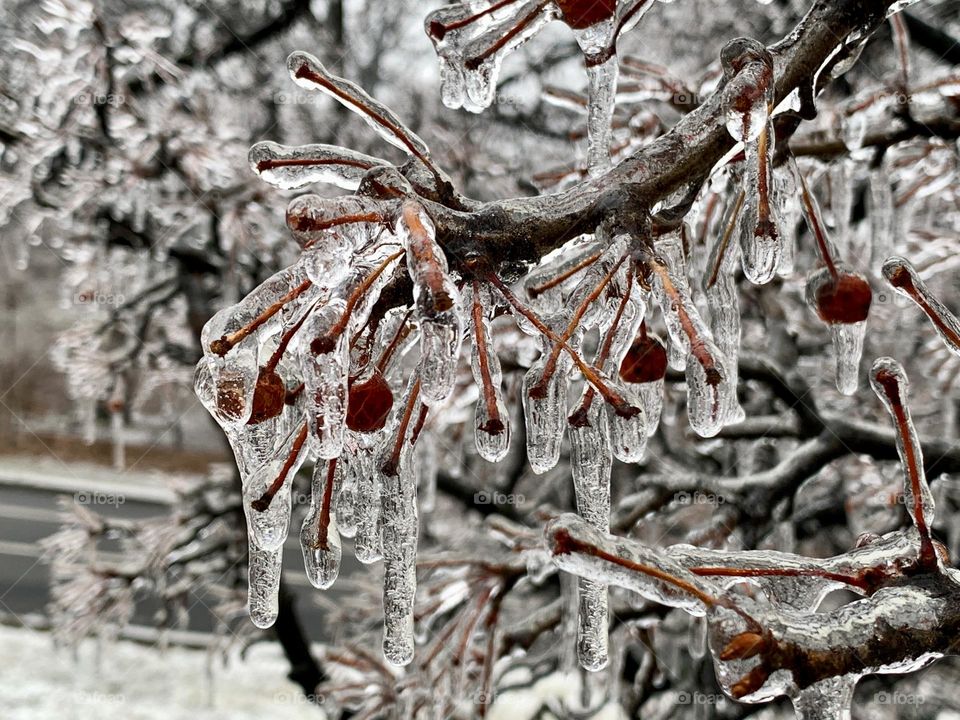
column 128, row 681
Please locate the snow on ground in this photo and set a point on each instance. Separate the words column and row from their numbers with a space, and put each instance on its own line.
column 124, row 680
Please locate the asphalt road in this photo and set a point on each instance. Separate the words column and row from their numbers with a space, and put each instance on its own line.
column 29, row 512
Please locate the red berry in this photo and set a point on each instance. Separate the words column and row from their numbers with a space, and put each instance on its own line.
column 580, row 14
column 645, row 361
column 369, row 403
column 268, row 397
column 842, row 299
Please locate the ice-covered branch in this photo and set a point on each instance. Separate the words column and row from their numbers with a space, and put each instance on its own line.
column 526, row 229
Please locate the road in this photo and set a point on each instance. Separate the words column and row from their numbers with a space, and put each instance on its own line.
column 29, row 512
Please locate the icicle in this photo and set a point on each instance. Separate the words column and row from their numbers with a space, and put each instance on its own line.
column 905, row 280
column 492, row 416
column 438, row 304
column 748, row 68
column 544, row 405
column 346, row 511
column 786, row 207
column 842, row 302
column 264, row 567
column 841, row 198
column 628, row 435
column 293, row 167
column 319, row 536
column 697, row 643
column 590, row 462
column 708, row 389
column 723, row 300
column 670, row 247
column 367, row 541
column 427, row 469
column 708, row 382
column 308, row 72
column 882, row 220
column 323, row 357
column 761, row 244
column 839, row 296
column 399, row 529
column 602, row 89
column 471, row 46
column 267, row 494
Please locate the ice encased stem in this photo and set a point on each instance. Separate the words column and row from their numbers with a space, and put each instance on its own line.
column 590, row 464
column 319, row 535
column 492, row 418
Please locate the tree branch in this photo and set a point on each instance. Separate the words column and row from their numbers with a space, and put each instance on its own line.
column 525, row 229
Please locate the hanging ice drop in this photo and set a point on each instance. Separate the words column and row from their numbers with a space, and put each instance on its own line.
column 319, row 535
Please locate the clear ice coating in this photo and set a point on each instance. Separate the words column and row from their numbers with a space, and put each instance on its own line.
column 319, row 535
column 628, row 435
column 471, row 41
column 708, row 382
column 399, row 529
column 323, row 355
column 848, row 349
column 786, row 207
column 882, row 216
column 638, row 568
column 602, row 90
column 267, row 493
column 761, row 242
column 841, row 298
column 492, row 425
column 723, row 301
column 544, row 404
column 367, row 483
column 308, row 72
column 905, row 280
column 263, row 568
column 289, row 167
column 742, row 628
column 889, row 382
column 366, row 543
column 590, row 464
column 330, row 230
column 438, row 303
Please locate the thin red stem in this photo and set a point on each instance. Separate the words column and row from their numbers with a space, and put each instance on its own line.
column 621, row 406
column 263, row 502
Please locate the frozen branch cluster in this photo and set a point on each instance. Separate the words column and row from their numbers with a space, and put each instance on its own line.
column 346, row 356
column 594, row 346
